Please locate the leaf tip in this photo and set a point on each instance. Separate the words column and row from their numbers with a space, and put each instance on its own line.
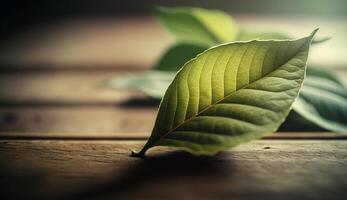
column 309, row 38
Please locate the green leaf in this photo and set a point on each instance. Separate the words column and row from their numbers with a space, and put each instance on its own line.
column 196, row 25
column 230, row 94
column 323, row 102
column 323, row 73
column 177, row 55
column 152, row 83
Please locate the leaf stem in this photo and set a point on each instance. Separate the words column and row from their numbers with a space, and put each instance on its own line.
column 138, row 154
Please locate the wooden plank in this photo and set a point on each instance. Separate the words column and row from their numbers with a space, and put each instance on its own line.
column 74, row 120
column 74, row 135
column 60, row 87
column 145, row 135
column 263, row 169
column 77, row 118
column 67, row 86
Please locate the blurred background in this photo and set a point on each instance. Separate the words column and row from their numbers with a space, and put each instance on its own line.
column 54, row 56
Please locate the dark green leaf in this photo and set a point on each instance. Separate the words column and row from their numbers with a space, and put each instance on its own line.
column 177, row 55
column 323, row 73
column 324, row 103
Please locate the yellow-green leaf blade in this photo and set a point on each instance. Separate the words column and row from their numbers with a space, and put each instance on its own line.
column 214, row 101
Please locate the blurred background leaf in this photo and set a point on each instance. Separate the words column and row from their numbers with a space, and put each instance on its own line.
column 152, row 83
column 197, row 25
column 177, row 55
column 323, row 101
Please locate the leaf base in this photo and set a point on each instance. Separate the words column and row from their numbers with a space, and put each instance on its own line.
column 140, row 154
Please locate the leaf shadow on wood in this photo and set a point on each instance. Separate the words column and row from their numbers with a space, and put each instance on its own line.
column 141, row 102
column 172, row 170
column 294, row 122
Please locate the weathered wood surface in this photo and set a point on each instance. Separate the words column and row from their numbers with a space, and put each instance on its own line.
column 263, row 169
column 68, row 86
column 145, row 135
column 76, row 118
column 60, row 87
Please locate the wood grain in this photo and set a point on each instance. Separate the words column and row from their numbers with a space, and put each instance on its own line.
column 60, row 87
column 145, row 135
column 77, row 118
column 263, row 169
